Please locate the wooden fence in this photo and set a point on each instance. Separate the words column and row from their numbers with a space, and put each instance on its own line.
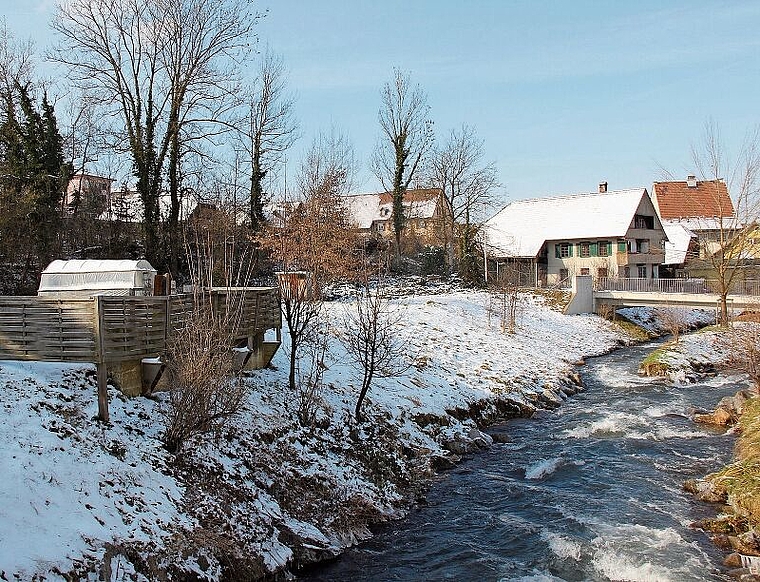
column 107, row 330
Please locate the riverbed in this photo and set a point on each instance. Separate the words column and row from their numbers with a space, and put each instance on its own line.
column 590, row 491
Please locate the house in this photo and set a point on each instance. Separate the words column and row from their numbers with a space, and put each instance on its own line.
column 703, row 207
column 682, row 245
column 373, row 214
column 603, row 234
column 87, row 193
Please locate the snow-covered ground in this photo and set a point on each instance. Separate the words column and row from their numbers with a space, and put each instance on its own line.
column 84, row 500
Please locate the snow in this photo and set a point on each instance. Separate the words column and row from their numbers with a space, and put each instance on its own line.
column 521, row 228
column 679, row 239
column 95, row 274
column 79, row 495
column 366, row 209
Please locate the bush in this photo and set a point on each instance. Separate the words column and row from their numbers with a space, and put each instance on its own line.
column 205, row 391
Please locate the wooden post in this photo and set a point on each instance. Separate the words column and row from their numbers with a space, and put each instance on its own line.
column 103, row 415
column 102, row 392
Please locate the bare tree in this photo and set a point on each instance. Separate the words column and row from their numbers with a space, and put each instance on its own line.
column 312, row 239
column 268, row 129
column 205, row 388
column 467, row 187
column 161, row 66
column 725, row 255
column 742, row 343
column 674, row 320
column 407, row 136
column 505, row 298
column 370, row 335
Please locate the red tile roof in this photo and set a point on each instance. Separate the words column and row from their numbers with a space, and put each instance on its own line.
column 708, row 199
column 412, row 195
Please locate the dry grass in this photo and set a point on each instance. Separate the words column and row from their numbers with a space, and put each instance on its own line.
column 741, row 479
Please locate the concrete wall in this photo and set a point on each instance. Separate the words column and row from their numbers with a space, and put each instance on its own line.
column 582, row 298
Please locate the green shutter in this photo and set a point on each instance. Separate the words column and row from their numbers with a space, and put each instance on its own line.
column 609, row 247
column 621, row 246
column 556, row 251
column 594, row 252
column 570, row 248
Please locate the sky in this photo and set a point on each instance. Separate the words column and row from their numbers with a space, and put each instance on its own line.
column 564, row 94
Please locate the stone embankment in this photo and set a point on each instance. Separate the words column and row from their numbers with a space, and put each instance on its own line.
column 736, row 487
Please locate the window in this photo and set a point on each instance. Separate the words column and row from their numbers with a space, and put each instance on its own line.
column 601, row 272
column 584, row 250
column 642, row 269
column 604, row 249
column 380, row 226
column 563, row 275
column 643, row 222
column 563, row 250
column 584, row 271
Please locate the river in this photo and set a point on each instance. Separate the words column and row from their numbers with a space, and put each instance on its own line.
column 590, row 491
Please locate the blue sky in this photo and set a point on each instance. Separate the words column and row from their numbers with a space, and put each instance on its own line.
column 565, row 93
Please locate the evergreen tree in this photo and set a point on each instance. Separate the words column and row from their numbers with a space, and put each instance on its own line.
column 33, row 177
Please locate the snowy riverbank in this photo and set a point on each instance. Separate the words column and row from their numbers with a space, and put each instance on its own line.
column 81, row 499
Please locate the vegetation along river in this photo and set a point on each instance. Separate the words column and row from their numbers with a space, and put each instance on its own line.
column 590, row 491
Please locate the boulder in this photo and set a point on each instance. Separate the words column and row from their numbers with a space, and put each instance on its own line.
column 705, row 491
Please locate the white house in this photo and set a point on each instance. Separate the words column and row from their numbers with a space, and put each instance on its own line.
column 603, row 234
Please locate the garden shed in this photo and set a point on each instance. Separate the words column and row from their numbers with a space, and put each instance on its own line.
column 86, row 278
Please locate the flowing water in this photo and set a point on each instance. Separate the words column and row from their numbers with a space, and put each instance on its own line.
column 591, row 491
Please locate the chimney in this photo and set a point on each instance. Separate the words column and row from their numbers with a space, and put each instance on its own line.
column 602, row 187
column 691, row 181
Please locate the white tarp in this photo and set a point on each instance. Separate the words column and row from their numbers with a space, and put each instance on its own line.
column 117, row 276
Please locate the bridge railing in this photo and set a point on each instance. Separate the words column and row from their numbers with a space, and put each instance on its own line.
column 683, row 286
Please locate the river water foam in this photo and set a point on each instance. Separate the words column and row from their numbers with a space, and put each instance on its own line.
column 591, row 491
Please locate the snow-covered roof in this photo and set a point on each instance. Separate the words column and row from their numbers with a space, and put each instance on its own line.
column 94, row 275
column 521, row 228
column 679, row 239
column 365, row 209
column 97, row 266
column 727, row 223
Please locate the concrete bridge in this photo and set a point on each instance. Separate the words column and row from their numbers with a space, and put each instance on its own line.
column 588, row 296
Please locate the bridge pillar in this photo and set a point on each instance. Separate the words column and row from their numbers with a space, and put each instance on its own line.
column 582, row 298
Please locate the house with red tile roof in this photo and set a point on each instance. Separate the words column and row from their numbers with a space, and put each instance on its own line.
column 701, row 207
column 693, row 200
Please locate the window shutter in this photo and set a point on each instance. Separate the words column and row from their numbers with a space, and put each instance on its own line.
column 621, row 246
column 609, row 247
column 594, row 251
column 570, row 249
column 556, row 251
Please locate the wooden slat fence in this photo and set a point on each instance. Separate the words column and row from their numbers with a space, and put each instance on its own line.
column 112, row 329
column 34, row 328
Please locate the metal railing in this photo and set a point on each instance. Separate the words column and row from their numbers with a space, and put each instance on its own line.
column 683, row 286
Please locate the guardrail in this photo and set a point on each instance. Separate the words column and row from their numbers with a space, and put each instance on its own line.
column 685, row 286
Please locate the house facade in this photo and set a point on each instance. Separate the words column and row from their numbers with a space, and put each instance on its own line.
column 549, row 240
column 87, row 193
